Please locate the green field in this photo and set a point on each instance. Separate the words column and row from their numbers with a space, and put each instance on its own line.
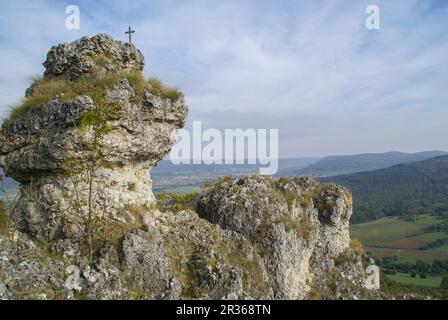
column 405, row 255
column 443, row 248
column 394, row 236
column 382, row 231
column 435, row 235
column 430, row 281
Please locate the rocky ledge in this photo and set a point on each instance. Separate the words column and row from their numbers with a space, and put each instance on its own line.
column 87, row 225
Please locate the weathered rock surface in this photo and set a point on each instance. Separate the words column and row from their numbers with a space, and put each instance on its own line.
column 187, row 257
column 246, row 238
column 299, row 226
column 72, row 60
column 57, row 162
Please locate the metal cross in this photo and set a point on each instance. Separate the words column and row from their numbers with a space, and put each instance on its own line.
column 130, row 32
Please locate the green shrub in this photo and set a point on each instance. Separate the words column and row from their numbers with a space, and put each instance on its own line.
column 174, row 202
column 219, row 181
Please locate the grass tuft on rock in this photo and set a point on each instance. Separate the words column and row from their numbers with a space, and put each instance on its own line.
column 158, row 88
column 173, row 202
column 356, row 245
column 45, row 90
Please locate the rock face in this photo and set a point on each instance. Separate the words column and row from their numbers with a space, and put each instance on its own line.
column 85, row 161
column 299, row 226
column 183, row 256
column 73, row 60
column 65, row 170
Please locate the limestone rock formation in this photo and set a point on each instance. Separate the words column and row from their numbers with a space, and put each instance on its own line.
column 83, row 158
column 67, row 168
column 299, row 226
column 73, row 60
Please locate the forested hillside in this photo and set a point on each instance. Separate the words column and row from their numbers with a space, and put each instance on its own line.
column 347, row 164
column 401, row 190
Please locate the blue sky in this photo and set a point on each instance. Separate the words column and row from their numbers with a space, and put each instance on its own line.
column 309, row 68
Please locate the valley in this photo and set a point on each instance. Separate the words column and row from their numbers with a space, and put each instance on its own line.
column 400, row 243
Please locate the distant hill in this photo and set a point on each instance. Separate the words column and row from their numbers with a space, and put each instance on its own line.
column 338, row 165
column 401, row 190
column 167, row 168
column 186, row 177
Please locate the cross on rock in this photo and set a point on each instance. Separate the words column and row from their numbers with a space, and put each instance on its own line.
column 130, row 32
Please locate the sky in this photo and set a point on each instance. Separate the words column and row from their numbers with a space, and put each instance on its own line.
column 308, row 68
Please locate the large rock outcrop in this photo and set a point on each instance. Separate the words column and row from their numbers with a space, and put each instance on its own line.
column 83, row 159
column 73, row 60
column 75, row 157
column 298, row 225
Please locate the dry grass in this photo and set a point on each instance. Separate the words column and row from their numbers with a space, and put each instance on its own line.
column 356, row 245
column 90, row 85
column 164, row 91
column 302, row 227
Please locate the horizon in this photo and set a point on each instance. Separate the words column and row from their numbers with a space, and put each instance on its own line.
column 333, row 155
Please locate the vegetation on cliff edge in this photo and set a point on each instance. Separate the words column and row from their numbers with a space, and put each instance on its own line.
column 46, row 89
